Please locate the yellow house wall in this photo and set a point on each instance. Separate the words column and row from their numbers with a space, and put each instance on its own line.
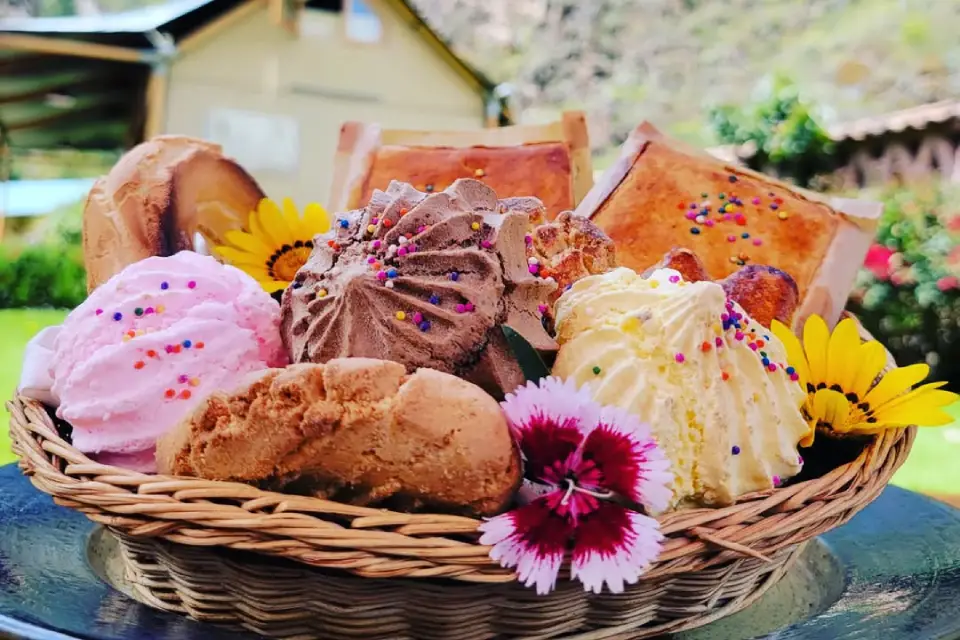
column 320, row 79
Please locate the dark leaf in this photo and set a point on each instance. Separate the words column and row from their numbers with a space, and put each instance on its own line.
column 527, row 357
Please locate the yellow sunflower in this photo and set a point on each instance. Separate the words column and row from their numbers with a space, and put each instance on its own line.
column 278, row 243
column 847, row 390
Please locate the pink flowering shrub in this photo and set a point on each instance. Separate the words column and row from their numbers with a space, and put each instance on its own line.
column 908, row 292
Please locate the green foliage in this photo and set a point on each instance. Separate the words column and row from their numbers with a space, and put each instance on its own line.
column 63, row 226
column 908, row 294
column 781, row 129
column 42, row 275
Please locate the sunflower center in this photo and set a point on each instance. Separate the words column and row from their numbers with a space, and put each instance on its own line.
column 287, row 260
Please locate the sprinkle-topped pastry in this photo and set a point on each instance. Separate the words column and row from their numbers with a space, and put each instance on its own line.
column 691, row 362
column 569, row 248
column 425, row 280
column 766, row 293
column 660, row 195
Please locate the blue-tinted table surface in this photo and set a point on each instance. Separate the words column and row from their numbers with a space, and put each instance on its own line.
column 901, row 557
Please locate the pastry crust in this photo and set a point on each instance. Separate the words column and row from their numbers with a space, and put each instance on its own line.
column 354, row 430
column 569, row 248
column 155, row 200
column 660, row 195
column 765, row 293
column 550, row 162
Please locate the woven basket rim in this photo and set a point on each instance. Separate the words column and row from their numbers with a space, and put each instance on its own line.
column 378, row 543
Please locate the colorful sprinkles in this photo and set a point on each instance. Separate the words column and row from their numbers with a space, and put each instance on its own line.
column 705, row 215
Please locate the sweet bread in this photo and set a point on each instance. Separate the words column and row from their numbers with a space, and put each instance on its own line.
column 569, row 248
column 157, row 198
column 354, row 430
column 550, row 162
column 660, row 195
column 765, row 293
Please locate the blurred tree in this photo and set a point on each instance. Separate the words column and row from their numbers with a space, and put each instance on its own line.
column 780, row 129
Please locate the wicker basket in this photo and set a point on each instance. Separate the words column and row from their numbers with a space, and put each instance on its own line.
column 201, row 547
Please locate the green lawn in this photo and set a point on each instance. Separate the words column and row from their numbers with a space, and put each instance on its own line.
column 16, row 328
column 931, row 468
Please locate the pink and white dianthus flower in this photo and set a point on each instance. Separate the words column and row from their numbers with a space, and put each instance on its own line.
column 589, row 471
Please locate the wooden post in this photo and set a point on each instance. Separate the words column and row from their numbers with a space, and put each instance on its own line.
column 158, row 86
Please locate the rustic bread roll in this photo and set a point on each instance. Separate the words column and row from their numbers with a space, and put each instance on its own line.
column 354, row 430
column 157, row 197
column 765, row 293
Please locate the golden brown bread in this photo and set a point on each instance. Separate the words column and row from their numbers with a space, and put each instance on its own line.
column 541, row 170
column 765, row 293
column 685, row 262
column 660, row 195
column 354, row 430
column 569, row 248
column 549, row 161
column 157, row 196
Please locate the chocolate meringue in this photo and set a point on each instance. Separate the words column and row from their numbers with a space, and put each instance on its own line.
column 426, row 280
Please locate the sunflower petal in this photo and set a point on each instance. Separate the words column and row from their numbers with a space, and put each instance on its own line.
column 238, row 257
column 292, row 217
column 832, row 408
column 271, row 286
column 315, row 221
column 896, row 382
column 256, row 229
column 928, row 394
column 807, row 440
column 795, row 356
column 842, row 354
column 272, row 220
column 871, row 359
column 910, row 415
column 249, row 243
column 255, row 271
column 816, row 338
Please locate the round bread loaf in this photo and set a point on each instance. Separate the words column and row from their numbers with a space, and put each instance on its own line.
column 157, row 198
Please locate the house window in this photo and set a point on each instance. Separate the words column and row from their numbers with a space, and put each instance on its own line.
column 363, row 24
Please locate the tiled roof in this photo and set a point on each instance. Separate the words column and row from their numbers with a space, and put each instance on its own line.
column 918, row 117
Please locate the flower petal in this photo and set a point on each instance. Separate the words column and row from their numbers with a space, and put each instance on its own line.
column 896, row 382
column 613, row 546
column 816, row 337
column 807, row 440
column 831, row 408
column 271, row 218
column 533, row 539
column 922, row 406
column 315, row 221
column 795, row 355
column 871, row 358
column 842, row 351
column 271, row 286
column 549, row 421
column 238, row 257
column 249, row 243
column 257, row 229
column 627, row 460
column 291, row 217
